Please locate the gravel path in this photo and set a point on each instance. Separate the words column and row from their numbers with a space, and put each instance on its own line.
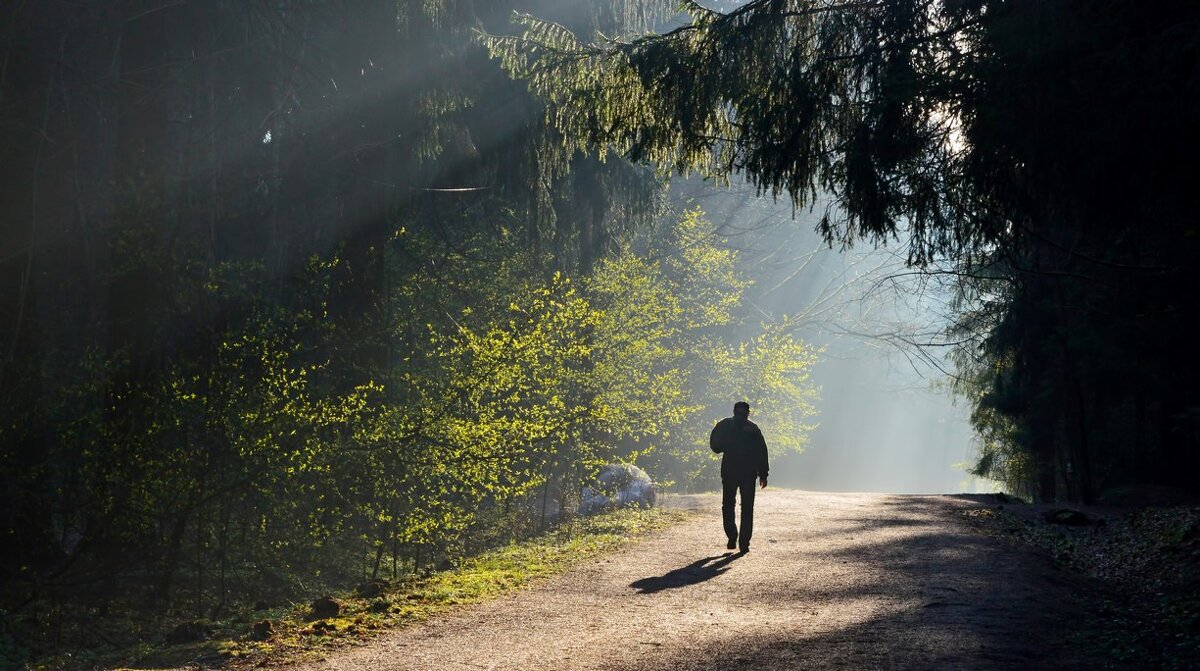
column 833, row 581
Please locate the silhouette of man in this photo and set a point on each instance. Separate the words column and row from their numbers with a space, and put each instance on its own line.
column 744, row 458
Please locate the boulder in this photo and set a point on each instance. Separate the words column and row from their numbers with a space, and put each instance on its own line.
column 370, row 589
column 618, row 486
column 326, row 606
column 593, row 502
column 262, row 630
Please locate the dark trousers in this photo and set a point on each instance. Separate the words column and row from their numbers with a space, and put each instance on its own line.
column 729, row 489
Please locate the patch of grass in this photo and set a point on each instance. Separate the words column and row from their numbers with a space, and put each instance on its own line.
column 402, row 602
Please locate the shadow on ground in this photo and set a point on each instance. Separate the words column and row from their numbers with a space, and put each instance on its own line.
column 694, row 573
column 939, row 596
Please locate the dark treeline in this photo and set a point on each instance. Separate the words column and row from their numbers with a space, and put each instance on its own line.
column 1039, row 156
column 294, row 292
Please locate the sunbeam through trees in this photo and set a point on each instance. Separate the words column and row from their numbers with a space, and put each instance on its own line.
column 297, row 294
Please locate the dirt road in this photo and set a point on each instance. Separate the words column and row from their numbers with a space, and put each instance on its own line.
column 833, row 581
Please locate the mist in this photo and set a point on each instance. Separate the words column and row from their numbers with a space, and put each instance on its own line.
column 887, row 420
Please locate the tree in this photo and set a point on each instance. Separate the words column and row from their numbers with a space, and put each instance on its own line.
column 233, row 227
column 677, row 343
column 1046, row 142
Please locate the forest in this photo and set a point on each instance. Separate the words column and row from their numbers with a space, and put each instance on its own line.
column 1033, row 154
column 301, row 290
column 291, row 287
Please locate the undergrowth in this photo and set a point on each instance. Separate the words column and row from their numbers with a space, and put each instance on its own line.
column 294, row 634
column 1147, row 565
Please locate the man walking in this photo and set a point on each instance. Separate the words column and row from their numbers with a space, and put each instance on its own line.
column 744, row 458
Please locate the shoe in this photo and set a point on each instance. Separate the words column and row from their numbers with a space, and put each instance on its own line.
column 731, row 544
column 744, row 549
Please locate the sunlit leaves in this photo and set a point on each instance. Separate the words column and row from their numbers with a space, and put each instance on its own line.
column 627, row 363
column 771, row 372
column 854, row 99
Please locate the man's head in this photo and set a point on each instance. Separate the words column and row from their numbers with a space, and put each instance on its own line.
column 741, row 409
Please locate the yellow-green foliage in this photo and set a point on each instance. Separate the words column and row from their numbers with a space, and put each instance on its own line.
column 628, row 363
column 535, row 383
column 771, row 372
column 478, row 578
column 672, row 364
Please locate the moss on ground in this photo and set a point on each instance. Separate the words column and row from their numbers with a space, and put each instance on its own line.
column 295, row 636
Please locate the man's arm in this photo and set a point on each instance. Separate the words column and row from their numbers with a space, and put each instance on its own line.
column 716, row 440
column 764, row 466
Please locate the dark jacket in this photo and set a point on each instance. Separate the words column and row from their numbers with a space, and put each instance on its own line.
column 743, row 446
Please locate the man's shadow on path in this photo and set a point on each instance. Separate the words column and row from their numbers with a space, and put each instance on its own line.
column 695, row 572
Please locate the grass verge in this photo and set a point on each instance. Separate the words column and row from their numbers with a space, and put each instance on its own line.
column 286, row 634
